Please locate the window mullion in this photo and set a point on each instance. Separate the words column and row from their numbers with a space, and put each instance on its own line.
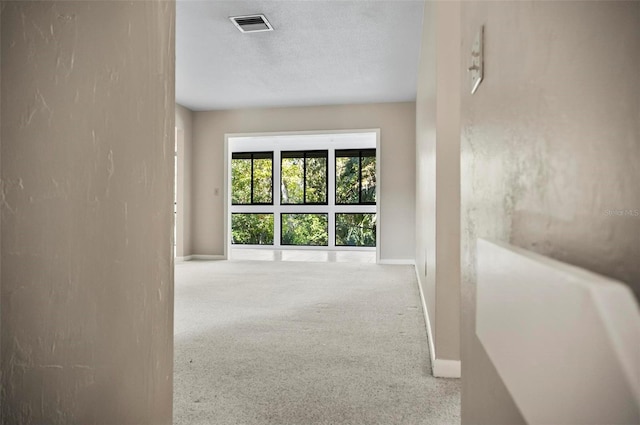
column 359, row 177
column 304, row 178
column 331, row 196
column 251, row 179
column 277, row 191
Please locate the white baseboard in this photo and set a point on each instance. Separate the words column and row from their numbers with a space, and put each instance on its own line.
column 204, row 258
column 181, row 259
column 447, row 368
column 427, row 322
column 440, row 368
column 402, row 261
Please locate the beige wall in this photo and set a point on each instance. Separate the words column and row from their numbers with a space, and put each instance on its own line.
column 550, row 143
column 184, row 126
column 395, row 120
column 87, row 172
column 438, row 176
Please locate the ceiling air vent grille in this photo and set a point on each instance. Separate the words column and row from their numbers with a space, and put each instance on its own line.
column 251, row 23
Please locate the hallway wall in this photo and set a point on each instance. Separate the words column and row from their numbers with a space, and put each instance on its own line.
column 550, row 153
column 438, row 181
column 87, row 192
column 184, row 124
column 397, row 190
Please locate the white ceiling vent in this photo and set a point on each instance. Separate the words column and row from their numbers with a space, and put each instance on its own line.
column 251, row 23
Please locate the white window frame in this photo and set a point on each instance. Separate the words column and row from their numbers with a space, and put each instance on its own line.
column 301, row 141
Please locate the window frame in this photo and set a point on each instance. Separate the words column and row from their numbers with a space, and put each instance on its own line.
column 289, row 154
column 284, row 144
column 252, row 157
column 344, row 153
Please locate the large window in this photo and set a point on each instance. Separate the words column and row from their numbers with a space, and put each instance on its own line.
column 299, row 194
column 356, row 177
column 304, row 177
column 252, row 178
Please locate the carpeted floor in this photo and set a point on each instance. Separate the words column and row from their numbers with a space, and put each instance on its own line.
column 303, row 343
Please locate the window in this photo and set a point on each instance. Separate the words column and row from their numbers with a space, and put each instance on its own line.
column 304, row 177
column 252, row 178
column 252, row 229
column 356, row 177
column 296, row 191
column 305, row 229
column 355, row 229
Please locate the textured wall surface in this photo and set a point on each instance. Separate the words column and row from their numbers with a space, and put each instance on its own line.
column 397, row 189
column 438, row 175
column 87, row 193
column 550, row 153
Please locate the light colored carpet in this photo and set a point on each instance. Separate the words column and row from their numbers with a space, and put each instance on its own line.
column 303, row 343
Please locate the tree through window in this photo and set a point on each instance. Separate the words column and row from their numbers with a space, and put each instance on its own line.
column 356, row 177
column 304, row 178
column 252, row 178
column 252, row 229
column 355, row 229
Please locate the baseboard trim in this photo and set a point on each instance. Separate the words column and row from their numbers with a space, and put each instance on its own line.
column 447, row 368
column 440, row 368
column 427, row 324
column 181, row 259
column 205, row 258
column 400, row 262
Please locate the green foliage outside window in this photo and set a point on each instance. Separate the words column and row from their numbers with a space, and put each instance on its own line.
column 305, row 229
column 292, row 172
column 368, row 188
column 347, row 184
column 252, row 229
column 262, row 181
column 356, row 177
column 252, row 178
column 316, row 180
column 304, row 177
column 241, row 181
column 355, row 229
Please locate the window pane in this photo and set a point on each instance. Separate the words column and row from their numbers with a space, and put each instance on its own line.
column 241, row 181
column 316, row 180
column 292, row 180
column 355, row 230
column 347, row 172
column 368, row 193
column 262, row 180
column 305, row 229
column 252, row 229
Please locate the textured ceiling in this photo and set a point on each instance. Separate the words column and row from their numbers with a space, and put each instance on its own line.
column 322, row 52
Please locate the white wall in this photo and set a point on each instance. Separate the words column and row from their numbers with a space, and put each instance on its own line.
column 550, row 145
column 438, row 181
column 184, row 125
column 397, row 187
column 87, row 194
